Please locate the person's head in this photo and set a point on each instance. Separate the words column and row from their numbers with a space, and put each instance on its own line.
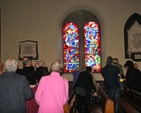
column 128, row 65
column 42, row 63
column 115, row 60
column 1, row 68
column 10, row 65
column 56, row 66
column 135, row 65
column 89, row 69
column 27, row 62
column 109, row 60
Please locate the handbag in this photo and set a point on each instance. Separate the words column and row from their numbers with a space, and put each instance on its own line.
column 94, row 100
column 66, row 108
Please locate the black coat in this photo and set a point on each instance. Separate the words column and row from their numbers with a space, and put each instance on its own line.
column 41, row 71
column 85, row 81
column 133, row 79
column 29, row 73
column 133, row 76
column 14, row 90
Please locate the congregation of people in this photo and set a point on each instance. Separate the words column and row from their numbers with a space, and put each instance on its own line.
column 113, row 78
column 32, row 89
column 36, row 88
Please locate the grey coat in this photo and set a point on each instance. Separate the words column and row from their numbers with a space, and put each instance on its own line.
column 14, row 90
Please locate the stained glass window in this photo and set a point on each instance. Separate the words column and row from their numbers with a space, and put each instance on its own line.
column 70, row 47
column 81, row 41
column 92, row 46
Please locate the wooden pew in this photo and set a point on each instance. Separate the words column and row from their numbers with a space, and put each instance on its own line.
column 107, row 104
column 130, row 101
column 68, row 106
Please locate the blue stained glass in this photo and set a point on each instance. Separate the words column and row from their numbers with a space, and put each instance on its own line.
column 71, row 47
column 92, row 46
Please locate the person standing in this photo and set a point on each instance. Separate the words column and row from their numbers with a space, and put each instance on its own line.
column 75, row 75
column 111, row 81
column 28, row 71
column 52, row 92
column 41, row 69
column 83, row 88
column 133, row 76
column 14, row 89
column 121, row 75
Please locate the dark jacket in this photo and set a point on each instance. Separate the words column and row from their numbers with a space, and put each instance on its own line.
column 14, row 90
column 41, row 71
column 29, row 73
column 111, row 78
column 85, row 81
column 133, row 79
column 75, row 76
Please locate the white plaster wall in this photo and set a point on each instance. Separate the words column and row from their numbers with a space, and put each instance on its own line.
column 41, row 20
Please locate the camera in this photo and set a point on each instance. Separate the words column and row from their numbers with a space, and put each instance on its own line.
column 36, row 62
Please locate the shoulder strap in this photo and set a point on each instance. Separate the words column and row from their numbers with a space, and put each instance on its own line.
column 64, row 87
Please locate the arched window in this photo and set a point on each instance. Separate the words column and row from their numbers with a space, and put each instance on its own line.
column 70, row 46
column 81, row 41
column 92, row 46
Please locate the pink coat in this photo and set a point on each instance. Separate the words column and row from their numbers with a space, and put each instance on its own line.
column 52, row 93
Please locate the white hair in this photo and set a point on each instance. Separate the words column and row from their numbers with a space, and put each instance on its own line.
column 57, row 66
column 10, row 65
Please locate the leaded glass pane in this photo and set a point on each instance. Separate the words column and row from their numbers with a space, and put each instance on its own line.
column 70, row 47
column 92, row 46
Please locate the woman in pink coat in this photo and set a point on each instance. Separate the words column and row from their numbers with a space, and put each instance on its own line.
column 52, row 92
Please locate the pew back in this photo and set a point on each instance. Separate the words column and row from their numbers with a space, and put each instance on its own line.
column 133, row 97
column 107, row 104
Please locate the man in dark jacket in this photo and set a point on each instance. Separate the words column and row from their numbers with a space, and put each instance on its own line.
column 111, row 80
column 14, row 89
column 83, row 88
column 28, row 71
column 133, row 76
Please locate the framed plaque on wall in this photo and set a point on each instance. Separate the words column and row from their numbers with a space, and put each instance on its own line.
column 28, row 48
column 132, row 37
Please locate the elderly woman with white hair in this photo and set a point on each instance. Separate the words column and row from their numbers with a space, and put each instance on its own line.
column 52, row 92
column 14, row 89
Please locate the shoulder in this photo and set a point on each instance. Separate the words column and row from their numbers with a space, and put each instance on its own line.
column 110, row 67
column 65, row 79
column 83, row 72
column 137, row 71
column 20, row 76
column 120, row 65
column 46, row 79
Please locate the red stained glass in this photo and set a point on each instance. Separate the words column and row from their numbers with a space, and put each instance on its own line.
column 92, row 46
column 70, row 47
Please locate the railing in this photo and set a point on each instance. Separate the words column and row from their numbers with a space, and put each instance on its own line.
column 133, row 97
column 106, row 103
column 68, row 106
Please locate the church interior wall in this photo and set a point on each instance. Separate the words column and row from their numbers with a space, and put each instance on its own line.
column 42, row 20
